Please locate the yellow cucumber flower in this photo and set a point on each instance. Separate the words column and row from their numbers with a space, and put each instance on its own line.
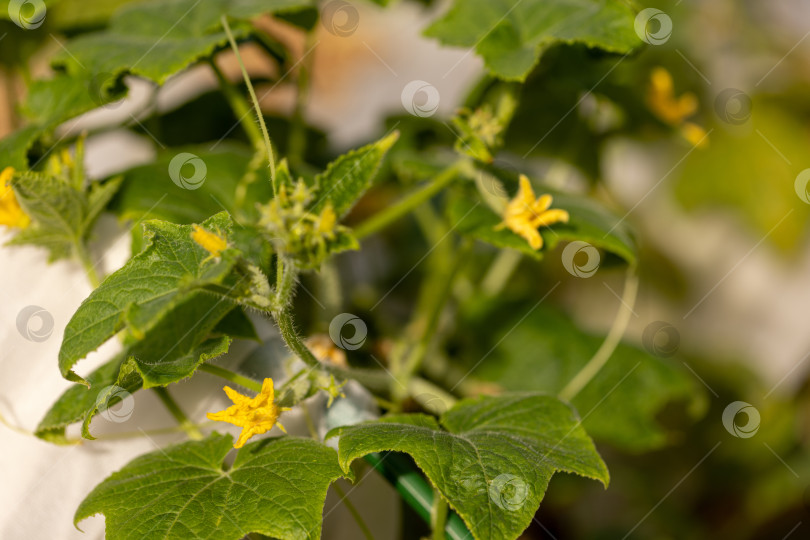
column 524, row 214
column 11, row 214
column 674, row 111
column 212, row 243
column 255, row 415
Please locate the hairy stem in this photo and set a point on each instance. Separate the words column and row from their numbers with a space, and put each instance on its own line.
column 174, row 409
column 600, row 358
column 409, row 202
column 266, row 136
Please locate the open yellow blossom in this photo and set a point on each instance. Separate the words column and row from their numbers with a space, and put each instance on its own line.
column 674, row 111
column 662, row 101
column 211, row 242
column 11, row 214
column 255, row 415
column 524, row 214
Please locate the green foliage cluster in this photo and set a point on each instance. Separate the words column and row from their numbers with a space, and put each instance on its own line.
column 276, row 217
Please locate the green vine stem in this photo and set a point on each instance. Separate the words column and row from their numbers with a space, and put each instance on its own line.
column 266, row 136
column 438, row 516
column 600, row 358
column 500, row 271
column 87, row 263
column 229, row 375
column 394, row 212
column 428, row 315
column 178, row 414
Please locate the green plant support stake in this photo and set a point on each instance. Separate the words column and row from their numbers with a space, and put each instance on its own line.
column 401, row 473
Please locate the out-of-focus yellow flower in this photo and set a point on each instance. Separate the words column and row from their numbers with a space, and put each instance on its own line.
column 255, row 415
column 695, row 134
column 211, row 242
column 674, row 111
column 524, row 214
column 11, row 214
column 325, row 350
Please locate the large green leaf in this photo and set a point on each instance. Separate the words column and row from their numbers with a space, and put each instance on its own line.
column 158, row 38
column 171, row 267
column 509, row 34
column 275, row 487
column 49, row 103
column 168, row 352
column 544, row 352
column 62, row 214
column 346, row 179
column 492, row 461
column 14, row 148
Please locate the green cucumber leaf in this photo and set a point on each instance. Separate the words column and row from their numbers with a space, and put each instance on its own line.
column 135, row 374
column 156, row 39
column 236, row 324
column 62, row 215
column 510, row 34
column 49, row 103
column 492, row 461
column 74, row 404
column 168, row 352
column 160, row 277
column 347, row 178
column 275, row 487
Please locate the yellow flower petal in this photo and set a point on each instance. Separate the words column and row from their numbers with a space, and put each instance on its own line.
column 255, row 415
column 11, row 214
column 209, row 241
column 524, row 214
column 662, row 101
column 695, row 134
